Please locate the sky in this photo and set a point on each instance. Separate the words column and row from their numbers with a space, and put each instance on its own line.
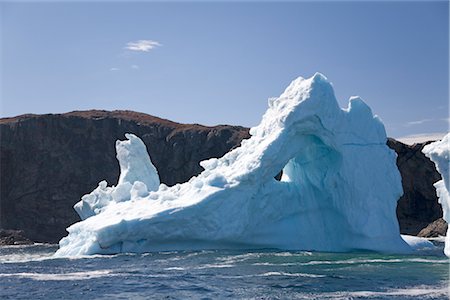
column 218, row 62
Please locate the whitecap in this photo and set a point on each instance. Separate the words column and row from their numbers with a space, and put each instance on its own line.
column 175, row 269
column 415, row 291
column 290, row 274
column 214, row 266
column 376, row 260
column 61, row 276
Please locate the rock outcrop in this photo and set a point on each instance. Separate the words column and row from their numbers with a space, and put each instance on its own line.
column 418, row 206
column 47, row 162
column 435, row 229
column 13, row 237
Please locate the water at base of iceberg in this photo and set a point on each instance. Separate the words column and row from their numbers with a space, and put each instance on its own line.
column 32, row 272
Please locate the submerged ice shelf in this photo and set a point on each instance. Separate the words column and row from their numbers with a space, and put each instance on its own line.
column 338, row 192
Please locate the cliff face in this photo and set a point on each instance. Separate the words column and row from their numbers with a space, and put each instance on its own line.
column 418, row 207
column 47, row 162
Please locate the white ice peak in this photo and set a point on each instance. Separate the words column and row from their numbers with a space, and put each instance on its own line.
column 135, row 163
column 338, row 192
column 138, row 176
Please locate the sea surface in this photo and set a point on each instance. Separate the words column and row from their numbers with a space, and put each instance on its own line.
column 30, row 272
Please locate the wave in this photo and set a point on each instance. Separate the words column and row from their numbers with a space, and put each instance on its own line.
column 62, row 276
column 416, row 291
column 370, row 261
column 23, row 258
column 174, row 269
column 290, row 274
column 353, row 262
column 35, row 257
column 232, row 259
column 214, row 266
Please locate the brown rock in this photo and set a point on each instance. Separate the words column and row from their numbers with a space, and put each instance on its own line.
column 418, row 206
column 435, row 229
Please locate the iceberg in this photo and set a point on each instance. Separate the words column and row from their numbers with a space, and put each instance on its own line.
column 439, row 153
column 338, row 191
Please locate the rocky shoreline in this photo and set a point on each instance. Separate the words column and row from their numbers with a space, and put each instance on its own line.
column 13, row 237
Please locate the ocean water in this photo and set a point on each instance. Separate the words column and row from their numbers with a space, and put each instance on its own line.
column 30, row 272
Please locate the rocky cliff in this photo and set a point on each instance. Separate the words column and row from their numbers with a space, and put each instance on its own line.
column 47, row 162
column 418, row 206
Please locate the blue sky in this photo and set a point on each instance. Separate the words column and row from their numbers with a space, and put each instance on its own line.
column 218, row 63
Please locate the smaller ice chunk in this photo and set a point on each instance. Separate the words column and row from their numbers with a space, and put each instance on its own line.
column 121, row 192
column 439, row 153
column 93, row 203
column 209, row 164
column 217, row 180
column 138, row 176
column 139, row 189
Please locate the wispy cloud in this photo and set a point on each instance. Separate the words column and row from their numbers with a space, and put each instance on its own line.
column 418, row 122
column 114, row 69
column 447, row 120
column 421, row 138
column 135, row 67
column 143, row 45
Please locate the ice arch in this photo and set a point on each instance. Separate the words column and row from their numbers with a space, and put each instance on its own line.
column 338, row 192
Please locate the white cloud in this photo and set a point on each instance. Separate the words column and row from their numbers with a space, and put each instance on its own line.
column 135, row 67
column 418, row 122
column 421, row 138
column 114, row 69
column 142, row 45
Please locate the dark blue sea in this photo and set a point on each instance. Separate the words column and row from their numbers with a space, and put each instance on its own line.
column 30, row 272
